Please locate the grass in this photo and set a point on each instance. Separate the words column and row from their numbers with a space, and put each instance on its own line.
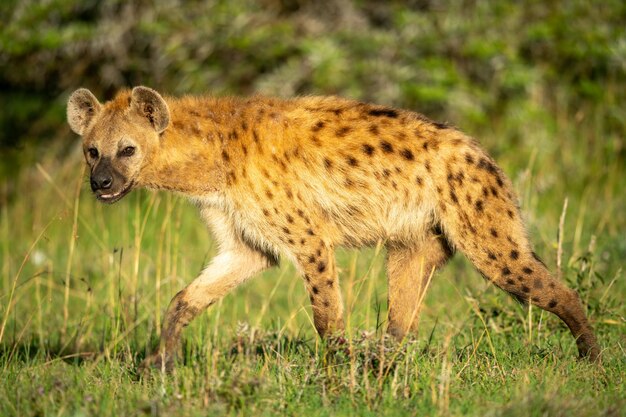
column 84, row 287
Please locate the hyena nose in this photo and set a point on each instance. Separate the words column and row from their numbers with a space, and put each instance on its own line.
column 101, row 182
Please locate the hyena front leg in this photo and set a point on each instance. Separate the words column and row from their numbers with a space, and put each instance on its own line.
column 235, row 263
column 317, row 265
column 224, row 273
column 409, row 270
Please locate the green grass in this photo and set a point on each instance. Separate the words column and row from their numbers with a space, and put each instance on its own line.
column 84, row 287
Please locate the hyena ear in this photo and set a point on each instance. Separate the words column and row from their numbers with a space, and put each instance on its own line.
column 82, row 106
column 149, row 104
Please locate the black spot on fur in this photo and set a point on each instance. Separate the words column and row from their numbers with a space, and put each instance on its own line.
column 525, row 289
column 315, row 290
column 440, row 126
column 266, row 212
column 286, row 230
column 453, row 197
column 506, row 271
column 493, row 232
column 510, row 281
column 318, row 126
column 479, row 205
column 552, row 303
column 330, row 283
column 316, row 140
column 391, row 113
column 373, row 129
column 419, row 181
column 427, row 166
column 343, row 131
column 527, row 270
column 407, row 154
column 367, row 149
column 321, row 267
column 225, row 156
column 386, row 146
column 328, row 163
column 310, row 232
column 514, row 254
column 487, row 166
column 491, row 256
column 427, row 144
column 352, row 161
column 289, row 218
column 469, row 159
column 510, row 213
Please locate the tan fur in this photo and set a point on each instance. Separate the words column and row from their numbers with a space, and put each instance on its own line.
column 297, row 178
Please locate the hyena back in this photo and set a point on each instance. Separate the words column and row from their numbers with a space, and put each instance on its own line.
column 297, row 178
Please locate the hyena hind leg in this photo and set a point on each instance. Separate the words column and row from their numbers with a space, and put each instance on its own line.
column 482, row 220
column 533, row 282
column 519, row 272
column 409, row 270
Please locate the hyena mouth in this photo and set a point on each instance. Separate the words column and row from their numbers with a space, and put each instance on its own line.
column 113, row 197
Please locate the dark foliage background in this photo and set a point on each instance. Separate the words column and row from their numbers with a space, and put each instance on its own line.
column 467, row 62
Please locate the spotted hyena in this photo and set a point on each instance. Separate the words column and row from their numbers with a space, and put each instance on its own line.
column 298, row 178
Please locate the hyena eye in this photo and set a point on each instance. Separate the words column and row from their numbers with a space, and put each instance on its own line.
column 93, row 152
column 128, row 151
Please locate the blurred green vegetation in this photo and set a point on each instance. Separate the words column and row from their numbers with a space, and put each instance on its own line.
column 467, row 62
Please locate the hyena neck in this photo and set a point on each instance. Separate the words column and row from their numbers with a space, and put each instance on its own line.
column 187, row 159
column 210, row 141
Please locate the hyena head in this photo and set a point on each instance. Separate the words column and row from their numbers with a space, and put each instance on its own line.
column 119, row 137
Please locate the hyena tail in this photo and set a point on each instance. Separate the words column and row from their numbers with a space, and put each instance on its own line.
column 481, row 218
